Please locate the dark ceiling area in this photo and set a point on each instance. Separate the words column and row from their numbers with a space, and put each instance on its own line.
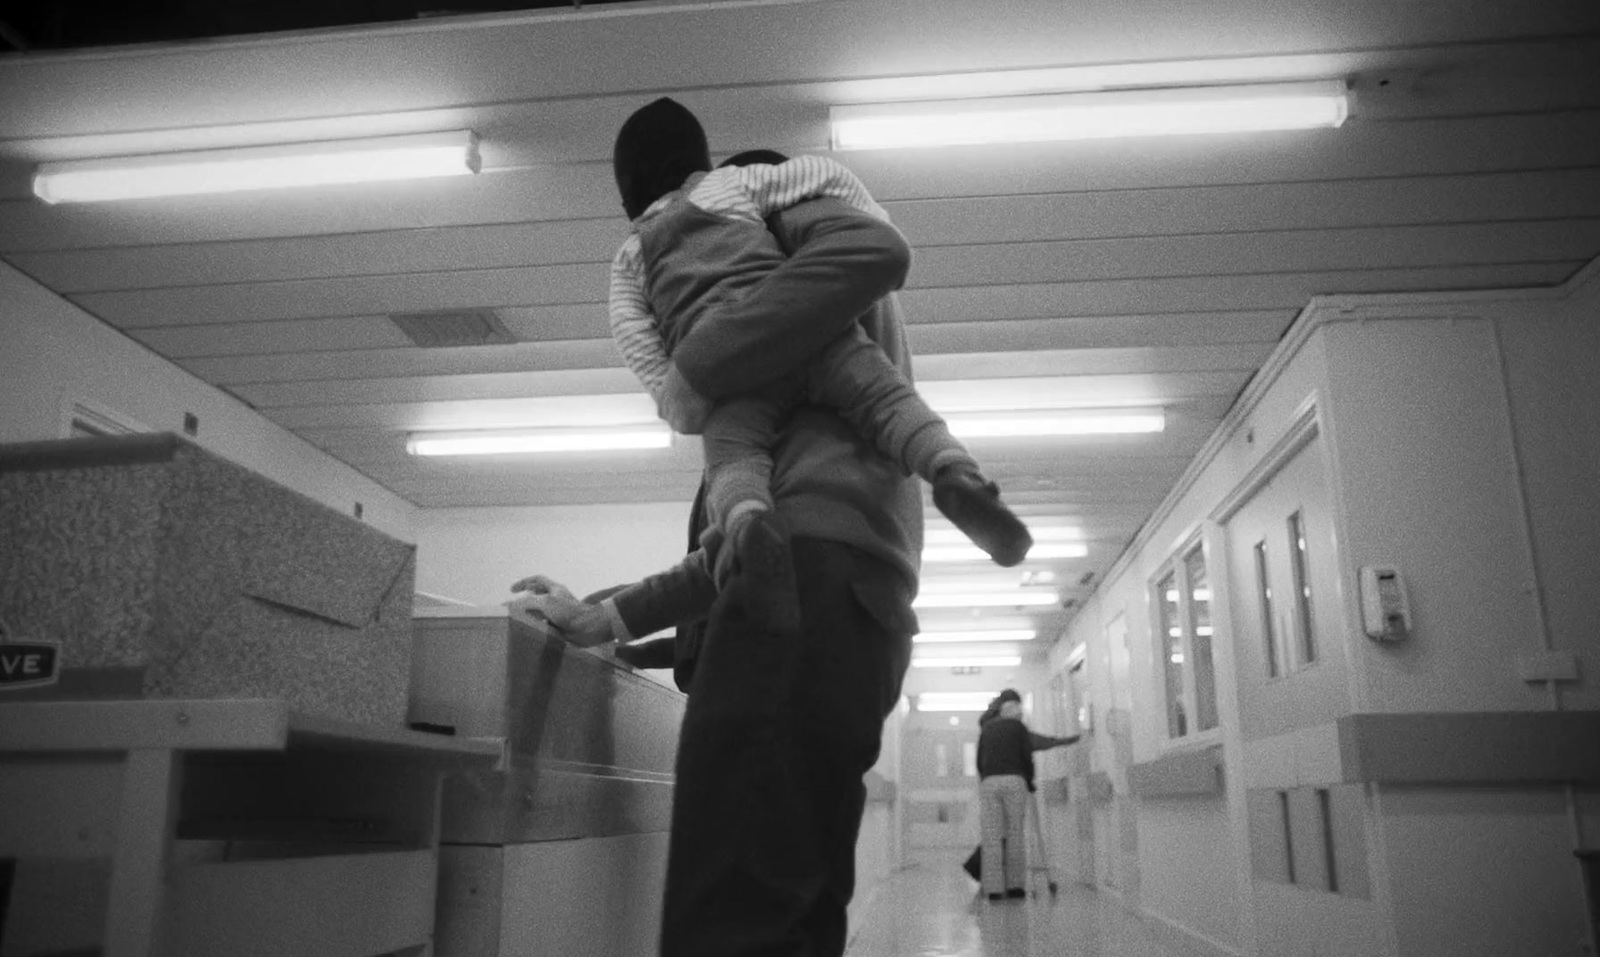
column 67, row 24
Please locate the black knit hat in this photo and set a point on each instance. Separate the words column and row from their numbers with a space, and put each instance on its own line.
column 1010, row 694
column 658, row 147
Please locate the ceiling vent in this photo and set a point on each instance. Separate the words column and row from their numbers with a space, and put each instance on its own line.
column 462, row 327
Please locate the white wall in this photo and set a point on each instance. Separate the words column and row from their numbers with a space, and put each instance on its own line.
column 52, row 354
column 1553, row 372
column 1185, row 848
column 1422, row 438
column 1463, row 437
column 474, row 554
column 1482, row 872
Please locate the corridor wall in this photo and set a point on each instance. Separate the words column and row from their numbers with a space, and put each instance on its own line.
column 56, row 355
column 1448, row 436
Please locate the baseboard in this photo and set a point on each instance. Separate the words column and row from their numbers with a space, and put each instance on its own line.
column 1180, row 936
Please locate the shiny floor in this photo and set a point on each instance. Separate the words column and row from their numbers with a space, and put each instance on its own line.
column 931, row 909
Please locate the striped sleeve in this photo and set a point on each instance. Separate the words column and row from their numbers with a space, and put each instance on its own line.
column 774, row 188
column 633, row 325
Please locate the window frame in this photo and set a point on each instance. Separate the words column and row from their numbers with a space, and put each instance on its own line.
column 1288, row 622
column 1080, row 719
column 1176, row 567
column 1276, row 655
column 1306, row 646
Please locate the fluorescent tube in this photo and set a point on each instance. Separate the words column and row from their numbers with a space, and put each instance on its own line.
column 657, row 436
column 986, row 599
column 971, row 553
column 1073, row 116
column 954, row 700
column 1013, row 634
column 1053, row 422
column 1040, row 532
column 991, row 661
column 258, row 167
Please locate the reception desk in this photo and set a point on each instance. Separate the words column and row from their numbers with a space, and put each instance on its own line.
column 219, row 828
column 562, row 850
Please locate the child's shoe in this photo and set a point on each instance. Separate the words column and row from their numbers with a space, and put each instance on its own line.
column 763, row 566
column 972, row 504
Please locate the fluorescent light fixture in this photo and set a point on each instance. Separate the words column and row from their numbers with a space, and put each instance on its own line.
column 990, row 661
column 1003, row 634
column 278, row 166
column 985, row 599
column 1077, row 116
column 513, row 442
column 1051, row 422
column 954, row 700
column 987, row 581
column 971, row 553
column 1041, row 533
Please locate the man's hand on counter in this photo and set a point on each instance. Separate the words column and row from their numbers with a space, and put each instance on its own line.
column 579, row 623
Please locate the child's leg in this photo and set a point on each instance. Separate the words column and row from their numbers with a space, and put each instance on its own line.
column 738, row 446
column 738, row 439
column 854, row 376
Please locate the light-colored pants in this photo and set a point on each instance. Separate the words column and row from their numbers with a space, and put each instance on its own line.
column 1002, row 811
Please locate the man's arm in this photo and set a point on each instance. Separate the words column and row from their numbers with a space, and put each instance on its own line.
column 680, row 594
column 1042, row 742
column 841, row 261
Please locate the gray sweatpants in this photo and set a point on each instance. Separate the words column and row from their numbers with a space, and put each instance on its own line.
column 1002, row 811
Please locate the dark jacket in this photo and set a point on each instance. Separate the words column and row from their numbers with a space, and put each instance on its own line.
column 1006, row 746
column 828, row 482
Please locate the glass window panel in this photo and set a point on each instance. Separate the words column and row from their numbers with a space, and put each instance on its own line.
column 1078, row 680
column 1325, row 811
column 1302, row 589
column 1172, row 660
column 969, row 758
column 1200, row 631
column 1288, row 831
column 1264, row 590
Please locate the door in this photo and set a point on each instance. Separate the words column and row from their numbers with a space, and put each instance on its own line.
column 1290, row 644
column 1116, row 823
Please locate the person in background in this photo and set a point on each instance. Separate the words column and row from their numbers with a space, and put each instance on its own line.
column 1005, row 778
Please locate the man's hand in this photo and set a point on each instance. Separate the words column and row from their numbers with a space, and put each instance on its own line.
column 681, row 406
column 578, row 623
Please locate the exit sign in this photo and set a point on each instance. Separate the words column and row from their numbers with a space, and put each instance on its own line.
column 967, row 670
column 27, row 664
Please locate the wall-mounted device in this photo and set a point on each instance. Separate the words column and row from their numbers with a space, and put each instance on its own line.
column 1385, row 609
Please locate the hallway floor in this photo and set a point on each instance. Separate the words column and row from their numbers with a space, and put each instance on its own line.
column 931, row 909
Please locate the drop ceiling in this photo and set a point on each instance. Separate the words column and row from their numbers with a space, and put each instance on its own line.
column 1156, row 272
